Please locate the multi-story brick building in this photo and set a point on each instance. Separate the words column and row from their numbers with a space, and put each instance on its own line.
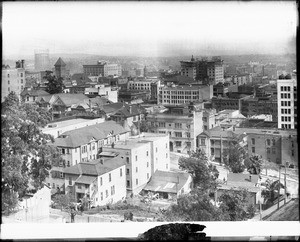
column 188, row 68
column 150, row 84
column 273, row 145
column 103, row 69
column 176, row 95
column 144, row 154
column 287, row 102
column 13, row 79
column 183, row 123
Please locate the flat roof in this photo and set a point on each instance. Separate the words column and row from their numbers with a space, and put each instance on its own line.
column 65, row 123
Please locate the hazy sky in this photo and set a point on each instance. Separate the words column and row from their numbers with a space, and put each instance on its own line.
column 149, row 28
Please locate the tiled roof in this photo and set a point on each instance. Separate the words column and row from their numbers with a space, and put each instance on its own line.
column 165, row 181
column 81, row 136
column 60, row 62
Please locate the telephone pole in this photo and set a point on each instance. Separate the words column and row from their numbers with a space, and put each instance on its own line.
column 279, row 187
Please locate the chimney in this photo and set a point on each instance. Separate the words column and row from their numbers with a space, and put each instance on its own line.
column 250, row 178
column 22, row 63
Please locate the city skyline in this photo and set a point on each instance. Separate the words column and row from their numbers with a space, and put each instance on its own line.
column 149, row 29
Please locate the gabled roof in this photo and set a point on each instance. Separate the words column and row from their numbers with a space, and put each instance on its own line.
column 165, row 181
column 71, row 98
column 130, row 110
column 112, row 108
column 34, row 92
column 60, row 62
column 81, row 136
column 94, row 168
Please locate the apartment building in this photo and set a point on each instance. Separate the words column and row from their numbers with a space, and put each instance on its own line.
column 150, row 84
column 215, row 71
column 144, row 154
column 182, row 123
column 13, row 79
column 287, row 101
column 278, row 146
column 176, row 95
column 83, row 144
column 100, row 181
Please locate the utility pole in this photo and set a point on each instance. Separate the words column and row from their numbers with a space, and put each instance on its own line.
column 285, row 184
column 260, row 214
column 279, row 187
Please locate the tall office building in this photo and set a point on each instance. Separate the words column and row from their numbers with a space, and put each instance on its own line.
column 13, row 79
column 41, row 60
column 287, row 101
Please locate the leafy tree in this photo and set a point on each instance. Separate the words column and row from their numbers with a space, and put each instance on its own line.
column 54, row 84
column 64, row 201
column 25, row 155
column 144, row 126
column 234, row 157
column 254, row 164
column 235, row 203
column 196, row 206
column 203, row 174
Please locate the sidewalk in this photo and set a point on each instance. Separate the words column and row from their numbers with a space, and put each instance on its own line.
column 269, row 211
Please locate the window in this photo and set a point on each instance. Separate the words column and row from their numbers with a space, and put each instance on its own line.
column 53, row 185
column 106, row 193
column 147, row 176
column 268, row 151
column 101, row 194
column 8, row 89
column 79, row 186
column 166, row 145
column 188, row 135
column 7, row 75
column 178, row 134
column 68, row 162
column 109, row 177
column 136, row 181
column 188, row 144
column 253, row 149
column 162, row 124
column 273, row 142
column 178, row 125
column 70, row 181
column 178, row 143
column 101, row 181
column 8, row 82
column 136, row 158
column 268, row 142
column 127, row 171
column 128, row 183
column 147, row 164
column 253, row 141
column 121, row 173
column 61, row 175
column 147, row 153
column 205, row 127
column 166, row 155
column 273, row 150
column 293, row 153
column 127, row 160
column 112, row 190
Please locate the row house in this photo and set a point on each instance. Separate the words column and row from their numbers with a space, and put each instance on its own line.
column 102, row 181
column 182, row 124
column 144, row 154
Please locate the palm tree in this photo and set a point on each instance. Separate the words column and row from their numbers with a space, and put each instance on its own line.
column 270, row 193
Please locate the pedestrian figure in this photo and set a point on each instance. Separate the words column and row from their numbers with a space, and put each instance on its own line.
column 73, row 213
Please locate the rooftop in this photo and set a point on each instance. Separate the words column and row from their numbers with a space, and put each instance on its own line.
column 81, row 136
column 60, row 62
column 95, row 168
column 167, row 181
